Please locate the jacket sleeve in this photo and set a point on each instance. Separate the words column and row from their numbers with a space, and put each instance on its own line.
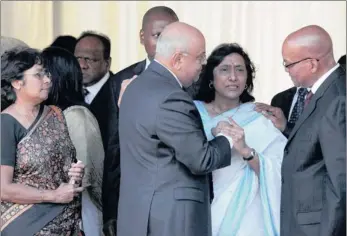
column 179, row 127
column 333, row 218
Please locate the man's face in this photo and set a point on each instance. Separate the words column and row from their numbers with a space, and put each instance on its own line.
column 90, row 54
column 151, row 31
column 297, row 65
column 192, row 62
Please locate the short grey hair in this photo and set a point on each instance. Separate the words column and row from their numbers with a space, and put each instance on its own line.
column 9, row 43
column 168, row 44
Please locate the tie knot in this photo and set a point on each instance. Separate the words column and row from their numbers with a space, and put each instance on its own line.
column 302, row 92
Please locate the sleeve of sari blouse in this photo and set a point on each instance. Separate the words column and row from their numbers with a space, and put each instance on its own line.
column 11, row 133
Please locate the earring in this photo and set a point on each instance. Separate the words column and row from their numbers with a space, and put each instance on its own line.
column 210, row 85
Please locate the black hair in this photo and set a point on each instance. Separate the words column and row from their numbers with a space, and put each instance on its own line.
column 105, row 41
column 158, row 10
column 66, row 77
column 13, row 65
column 206, row 93
column 67, row 42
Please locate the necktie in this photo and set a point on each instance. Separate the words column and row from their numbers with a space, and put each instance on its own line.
column 85, row 92
column 308, row 98
column 299, row 105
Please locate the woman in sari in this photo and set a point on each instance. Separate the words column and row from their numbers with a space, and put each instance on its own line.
column 246, row 193
column 39, row 179
column 67, row 94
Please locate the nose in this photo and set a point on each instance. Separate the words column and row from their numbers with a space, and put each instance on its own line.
column 232, row 75
column 83, row 63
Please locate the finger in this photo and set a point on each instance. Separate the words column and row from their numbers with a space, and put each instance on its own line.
column 231, row 120
column 78, row 190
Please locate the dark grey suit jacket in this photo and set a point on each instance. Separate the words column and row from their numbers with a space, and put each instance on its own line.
column 314, row 165
column 165, row 159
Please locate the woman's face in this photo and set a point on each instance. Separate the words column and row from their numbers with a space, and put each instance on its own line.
column 230, row 76
column 35, row 84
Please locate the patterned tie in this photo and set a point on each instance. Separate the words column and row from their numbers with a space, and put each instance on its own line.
column 85, row 92
column 299, row 105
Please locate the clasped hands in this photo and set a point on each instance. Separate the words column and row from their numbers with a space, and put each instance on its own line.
column 232, row 130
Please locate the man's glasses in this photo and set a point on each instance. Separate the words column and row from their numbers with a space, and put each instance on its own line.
column 294, row 63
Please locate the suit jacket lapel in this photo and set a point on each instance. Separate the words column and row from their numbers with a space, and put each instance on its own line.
column 313, row 103
column 140, row 67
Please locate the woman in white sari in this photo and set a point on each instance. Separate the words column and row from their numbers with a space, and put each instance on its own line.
column 246, row 193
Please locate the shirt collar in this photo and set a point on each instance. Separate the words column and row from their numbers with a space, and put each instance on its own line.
column 147, row 63
column 179, row 82
column 94, row 89
column 321, row 80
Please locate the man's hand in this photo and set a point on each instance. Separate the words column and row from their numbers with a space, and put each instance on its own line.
column 274, row 114
column 124, row 85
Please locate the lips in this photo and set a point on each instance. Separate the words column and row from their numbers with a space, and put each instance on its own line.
column 232, row 87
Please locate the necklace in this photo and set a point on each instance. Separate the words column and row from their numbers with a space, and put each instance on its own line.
column 221, row 113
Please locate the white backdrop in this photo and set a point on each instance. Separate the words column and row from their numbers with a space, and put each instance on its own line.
column 260, row 27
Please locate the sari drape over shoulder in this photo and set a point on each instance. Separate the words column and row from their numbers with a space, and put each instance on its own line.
column 43, row 159
column 244, row 203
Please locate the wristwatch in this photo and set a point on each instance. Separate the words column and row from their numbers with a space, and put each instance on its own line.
column 253, row 153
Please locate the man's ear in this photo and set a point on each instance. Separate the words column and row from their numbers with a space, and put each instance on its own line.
column 142, row 37
column 108, row 62
column 177, row 60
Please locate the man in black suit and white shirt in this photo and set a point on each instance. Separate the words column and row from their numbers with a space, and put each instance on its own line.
column 93, row 53
column 313, row 198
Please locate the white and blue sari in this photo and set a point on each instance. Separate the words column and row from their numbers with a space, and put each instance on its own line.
column 244, row 203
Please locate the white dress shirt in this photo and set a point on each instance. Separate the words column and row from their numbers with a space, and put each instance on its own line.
column 95, row 88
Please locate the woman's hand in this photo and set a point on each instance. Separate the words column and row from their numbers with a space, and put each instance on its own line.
column 76, row 172
column 237, row 134
column 66, row 192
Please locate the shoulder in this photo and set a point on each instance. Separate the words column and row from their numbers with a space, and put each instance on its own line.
column 291, row 90
column 125, row 73
column 78, row 112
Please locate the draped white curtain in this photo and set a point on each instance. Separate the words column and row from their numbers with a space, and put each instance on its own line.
column 260, row 27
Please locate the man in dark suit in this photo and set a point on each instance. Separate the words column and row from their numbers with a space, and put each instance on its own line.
column 313, row 200
column 153, row 23
column 93, row 53
column 165, row 156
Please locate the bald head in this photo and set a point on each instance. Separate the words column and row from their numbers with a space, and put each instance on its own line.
column 310, row 41
column 181, row 48
column 178, row 36
column 308, row 54
column 158, row 11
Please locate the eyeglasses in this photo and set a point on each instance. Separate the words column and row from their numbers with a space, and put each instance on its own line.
column 200, row 59
column 41, row 74
column 88, row 60
column 294, row 63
